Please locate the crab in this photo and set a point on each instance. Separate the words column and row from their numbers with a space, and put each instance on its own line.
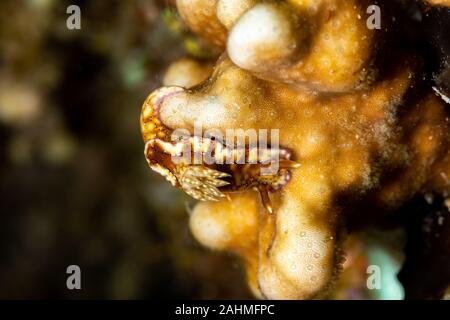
column 214, row 180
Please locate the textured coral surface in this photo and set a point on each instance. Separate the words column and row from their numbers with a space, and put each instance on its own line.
column 367, row 131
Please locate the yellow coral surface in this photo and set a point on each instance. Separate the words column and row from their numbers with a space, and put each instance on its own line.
column 307, row 68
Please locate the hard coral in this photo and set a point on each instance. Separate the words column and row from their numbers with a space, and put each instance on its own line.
column 363, row 131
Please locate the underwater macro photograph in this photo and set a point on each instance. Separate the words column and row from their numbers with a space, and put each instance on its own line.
column 239, row 150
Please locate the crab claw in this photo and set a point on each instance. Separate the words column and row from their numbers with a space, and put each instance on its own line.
column 203, row 183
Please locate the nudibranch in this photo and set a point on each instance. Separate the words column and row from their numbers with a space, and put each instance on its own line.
column 351, row 106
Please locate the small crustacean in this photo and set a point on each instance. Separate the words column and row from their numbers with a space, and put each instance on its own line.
column 211, row 180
